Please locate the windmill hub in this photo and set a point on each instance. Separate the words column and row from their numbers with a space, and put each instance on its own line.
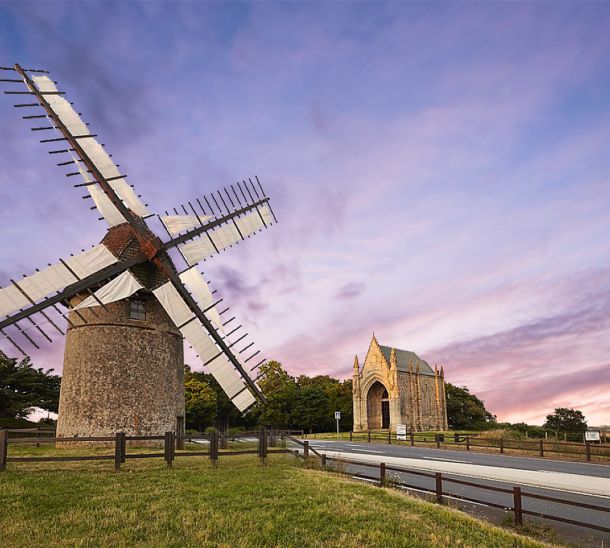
column 124, row 242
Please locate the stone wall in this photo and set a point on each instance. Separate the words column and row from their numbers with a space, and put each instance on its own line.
column 121, row 375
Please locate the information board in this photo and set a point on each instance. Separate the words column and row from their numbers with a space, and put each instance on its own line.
column 592, row 435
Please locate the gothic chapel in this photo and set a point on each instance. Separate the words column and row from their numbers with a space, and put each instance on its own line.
column 397, row 387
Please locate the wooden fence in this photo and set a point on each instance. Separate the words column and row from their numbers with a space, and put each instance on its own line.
column 171, row 451
column 440, row 482
column 170, row 442
column 540, row 448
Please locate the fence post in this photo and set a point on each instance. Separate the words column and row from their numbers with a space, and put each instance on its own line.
column 323, row 461
column 517, row 505
column 118, row 446
column 389, row 437
column 168, row 446
column 467, row 442
column 369, row 436
column 439, row 487
column 438, row 441
column 542, row 448
column 351, row 436
column 123, row 447
column 214, row 448
column 180, row 440
column 223, row 440
column 306, row 449
column 382, row 474
column 3, row 449
column 501, row 445
column 588, row 450
column 262, row 445
column 412, row 436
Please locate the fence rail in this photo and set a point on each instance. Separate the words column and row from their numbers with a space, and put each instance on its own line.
column 540, row 448
column 440, row 485
column 171, row 445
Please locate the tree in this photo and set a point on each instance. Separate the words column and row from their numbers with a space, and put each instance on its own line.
column 341, row 399
column 200, row 404
column 566, row 420
column 22, row 387
column 338, row 398
column 311, row 408
column 226, row 413
column 465, row 411
column 280, row 390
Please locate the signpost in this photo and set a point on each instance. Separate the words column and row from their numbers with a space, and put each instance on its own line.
column 337, row 418
column 401, row 432
column 592, row 435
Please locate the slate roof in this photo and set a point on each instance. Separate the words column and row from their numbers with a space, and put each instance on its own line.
column 406, row 357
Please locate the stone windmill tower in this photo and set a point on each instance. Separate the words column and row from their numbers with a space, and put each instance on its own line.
column 127, row 303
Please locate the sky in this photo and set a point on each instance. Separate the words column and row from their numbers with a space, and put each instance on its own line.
column 439, row 171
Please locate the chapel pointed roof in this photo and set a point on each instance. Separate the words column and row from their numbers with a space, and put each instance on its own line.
column 406, row 357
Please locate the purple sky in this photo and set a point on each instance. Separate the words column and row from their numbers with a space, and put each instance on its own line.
column 441, row 174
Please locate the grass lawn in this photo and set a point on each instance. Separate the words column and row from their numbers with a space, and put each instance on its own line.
column 237, row 504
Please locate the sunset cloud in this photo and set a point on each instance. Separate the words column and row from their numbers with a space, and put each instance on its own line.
column 440, row 174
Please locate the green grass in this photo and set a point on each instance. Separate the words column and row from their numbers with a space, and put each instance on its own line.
column 240, row 503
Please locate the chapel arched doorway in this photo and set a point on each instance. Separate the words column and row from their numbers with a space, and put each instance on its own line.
column 378, row 407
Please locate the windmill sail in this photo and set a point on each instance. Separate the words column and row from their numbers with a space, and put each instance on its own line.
column 219, row 238
column 218, row 360
column 223, row 230
column 123, row 286
column 176, row 224
column 25, row 292
column 228, row 218
column 88, row 152
column 201, row 291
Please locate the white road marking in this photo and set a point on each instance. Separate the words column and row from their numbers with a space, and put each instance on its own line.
column 561, row 481
column 362, row 450
column 448, row 460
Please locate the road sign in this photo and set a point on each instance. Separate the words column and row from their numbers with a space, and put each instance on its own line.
column 401, row 432
column 337, row 415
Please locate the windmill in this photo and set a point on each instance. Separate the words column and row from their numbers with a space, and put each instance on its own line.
column 130, row 300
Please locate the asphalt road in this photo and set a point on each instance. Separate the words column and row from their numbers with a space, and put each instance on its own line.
column 575, row 481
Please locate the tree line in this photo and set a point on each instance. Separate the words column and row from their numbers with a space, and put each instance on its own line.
column 298, row 403
column 307, row 403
